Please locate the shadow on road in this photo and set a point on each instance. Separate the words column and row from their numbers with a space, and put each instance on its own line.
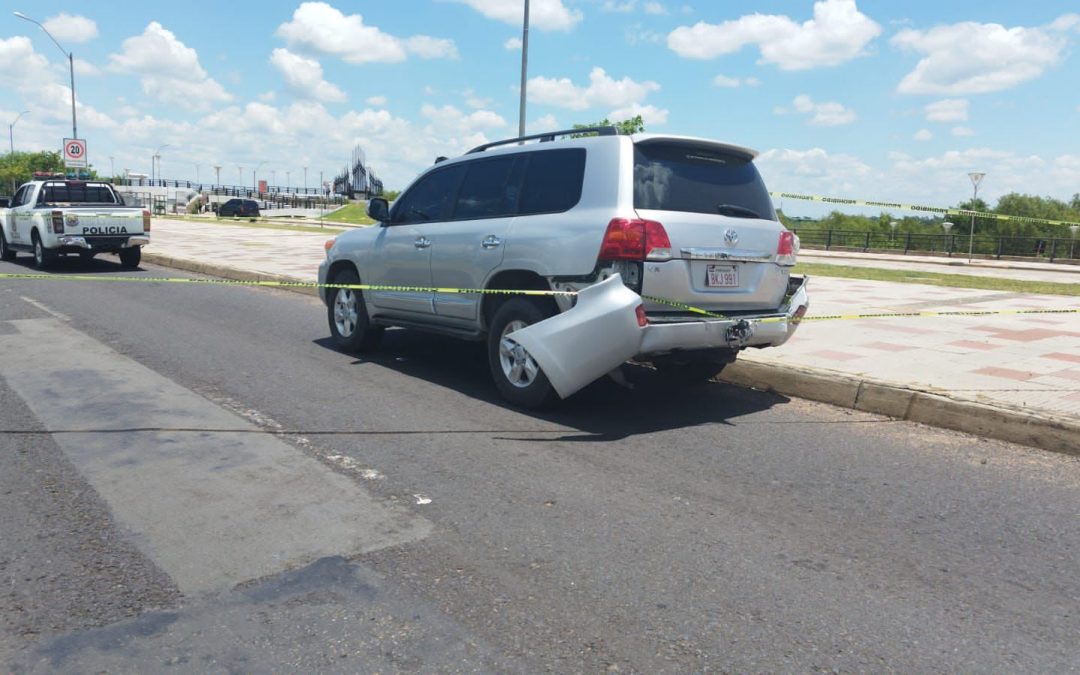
column 603, row 411
column 103, row 263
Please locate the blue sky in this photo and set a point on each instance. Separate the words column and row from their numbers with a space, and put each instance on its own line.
column 867, row 99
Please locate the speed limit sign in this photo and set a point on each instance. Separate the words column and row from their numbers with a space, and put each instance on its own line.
column 75, row 153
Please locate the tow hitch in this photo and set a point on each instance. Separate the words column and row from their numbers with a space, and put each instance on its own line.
column 738, row 335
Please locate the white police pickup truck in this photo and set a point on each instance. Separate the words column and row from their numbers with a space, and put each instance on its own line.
column 54, row 216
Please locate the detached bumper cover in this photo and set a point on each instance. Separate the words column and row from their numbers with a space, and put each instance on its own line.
column 760, row 330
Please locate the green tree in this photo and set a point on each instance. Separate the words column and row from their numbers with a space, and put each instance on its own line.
column 17, row 167
column 634, row 125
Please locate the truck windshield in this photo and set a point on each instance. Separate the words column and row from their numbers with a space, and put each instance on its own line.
column 66, row 194
column 684, row 177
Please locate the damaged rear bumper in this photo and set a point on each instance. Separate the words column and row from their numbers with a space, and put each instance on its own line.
column 770, row 329
column 602, row 330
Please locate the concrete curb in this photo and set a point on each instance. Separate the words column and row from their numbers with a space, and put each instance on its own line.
column 846, row 391
column 224, row 272
column 883, row 398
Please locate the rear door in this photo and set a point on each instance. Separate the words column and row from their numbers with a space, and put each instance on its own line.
column 466, row 248
column 719, row 217
column 401, row 255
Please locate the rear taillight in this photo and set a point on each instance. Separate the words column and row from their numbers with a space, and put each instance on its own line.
column 635, row 239
column 145, row 220
column 642, row 320
column 58, row 222
column 787, row 248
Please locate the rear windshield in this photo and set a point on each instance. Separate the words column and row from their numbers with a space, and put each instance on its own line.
column 677, row 177
column 76, row 193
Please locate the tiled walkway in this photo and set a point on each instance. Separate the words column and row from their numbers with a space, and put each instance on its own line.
column 1029, row 361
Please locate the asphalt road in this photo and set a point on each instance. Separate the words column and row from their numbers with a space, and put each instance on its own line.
column 644, row 530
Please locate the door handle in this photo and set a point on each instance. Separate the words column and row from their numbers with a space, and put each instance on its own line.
column 491, row 241
column 422, row 242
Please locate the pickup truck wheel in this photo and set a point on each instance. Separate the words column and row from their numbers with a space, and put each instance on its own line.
column 347, row 315
column 130, row 257
column 43, row 257
column 517, row 375
column 5, row 252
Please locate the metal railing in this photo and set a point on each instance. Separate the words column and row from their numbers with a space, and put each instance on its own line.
column 234, row 190
column 985, row 246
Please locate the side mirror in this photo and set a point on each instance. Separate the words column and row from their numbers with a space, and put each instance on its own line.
column 378, row 209
column 5, row 202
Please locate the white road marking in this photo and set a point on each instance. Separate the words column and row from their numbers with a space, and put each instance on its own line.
column 48, row 310
column 421, row 499
column 211, row 509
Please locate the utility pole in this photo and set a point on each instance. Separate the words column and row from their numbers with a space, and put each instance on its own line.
column 524, row 69
column 976, row 178
column 11, row 127
column 71, row 65
column 217, row 174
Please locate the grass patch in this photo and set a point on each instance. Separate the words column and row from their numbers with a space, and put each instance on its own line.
column 936, row 279
column 352, row 214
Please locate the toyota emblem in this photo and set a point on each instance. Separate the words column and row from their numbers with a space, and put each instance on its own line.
column 731, row 237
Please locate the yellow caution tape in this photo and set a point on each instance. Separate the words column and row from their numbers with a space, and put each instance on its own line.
column 917, row 207
column 499, row 291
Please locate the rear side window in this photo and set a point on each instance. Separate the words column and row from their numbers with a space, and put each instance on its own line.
column 677, row 177
column 489, row 189
column 552, row 181
column 76, row 193
column 430, row 198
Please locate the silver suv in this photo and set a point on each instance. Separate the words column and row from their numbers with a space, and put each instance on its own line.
column 678, row 234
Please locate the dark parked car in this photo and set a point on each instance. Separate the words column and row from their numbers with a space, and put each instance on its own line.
column 243, row 208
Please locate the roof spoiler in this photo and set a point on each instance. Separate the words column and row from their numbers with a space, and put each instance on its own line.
column 548, row 136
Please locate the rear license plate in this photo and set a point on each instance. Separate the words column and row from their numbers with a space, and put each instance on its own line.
column 721, row 276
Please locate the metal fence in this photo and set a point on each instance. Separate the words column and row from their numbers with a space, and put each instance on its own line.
column 984, row 246
column 231, row 190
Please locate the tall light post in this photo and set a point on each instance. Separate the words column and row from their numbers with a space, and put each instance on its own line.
column 217, row 174
column 155, row 161
column 524, row 69
column 976, row 178
column 112, row 167
column 948, row 227
column 254, row 183
column 11, row 127
column 288, row 180
column 305, row 180
column 196, row 173
column 71, row 65
column 273, row 176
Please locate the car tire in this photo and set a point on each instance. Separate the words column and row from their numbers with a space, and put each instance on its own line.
column 5, row 252
column 346, row 312
column 130, row 257
column 43, row 257
column 517, row 375
column 690, row 369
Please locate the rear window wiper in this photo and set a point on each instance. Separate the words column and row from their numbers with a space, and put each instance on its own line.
column 736, row 211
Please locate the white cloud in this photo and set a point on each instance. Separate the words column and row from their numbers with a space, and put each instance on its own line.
column 543, row 14
column 377, row 101
column 638, row 34
column 615, row 6
column 71, row 27
column 321, row 28
column 947, row 110
column 923, row 135
column 837, row 33
column 962, row 131
column 304, row 76
column 976, row 58
column 650, row 114
column 512, row 44
column 827, row 114
column 654, row 8
column 726, row 82
column 602, row 91
column 541, row 124
column 816, row 171
column 267, row 96
column 169, row 69
column 474, row 101
column 86, row 69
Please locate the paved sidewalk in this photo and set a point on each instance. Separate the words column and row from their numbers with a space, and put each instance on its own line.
column 1026, row 362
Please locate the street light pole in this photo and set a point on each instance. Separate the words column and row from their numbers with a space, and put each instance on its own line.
column 524, row 69
column 305, row 180
column 976, row 178
column 11, row 128
column 71, row 65
column 155, row 159
column 217, row 174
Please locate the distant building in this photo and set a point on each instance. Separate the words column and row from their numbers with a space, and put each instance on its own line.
column 357, row 180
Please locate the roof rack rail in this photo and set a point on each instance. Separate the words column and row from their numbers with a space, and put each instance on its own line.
column 548, row 136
